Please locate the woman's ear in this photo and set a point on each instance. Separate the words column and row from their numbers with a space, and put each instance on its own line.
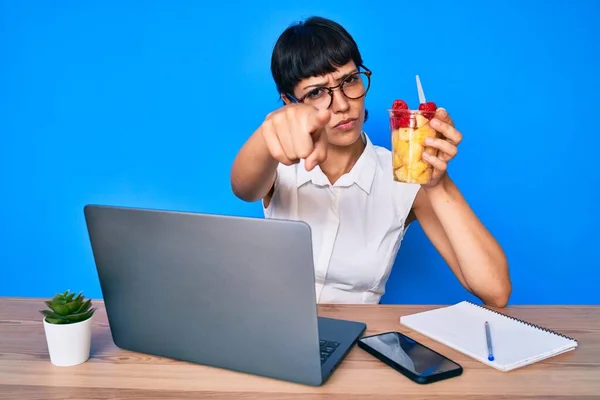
column 285, row 99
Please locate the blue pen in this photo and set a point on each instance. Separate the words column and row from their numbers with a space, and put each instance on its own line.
column 488, row 336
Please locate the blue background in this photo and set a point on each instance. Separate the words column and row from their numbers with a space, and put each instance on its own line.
column 146, row 104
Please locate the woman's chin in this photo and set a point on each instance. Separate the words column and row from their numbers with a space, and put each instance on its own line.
column 344, row 138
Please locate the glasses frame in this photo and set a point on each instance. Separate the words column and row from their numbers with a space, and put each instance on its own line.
column 367, row 72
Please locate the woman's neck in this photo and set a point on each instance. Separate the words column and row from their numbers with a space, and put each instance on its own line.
column 340, row 160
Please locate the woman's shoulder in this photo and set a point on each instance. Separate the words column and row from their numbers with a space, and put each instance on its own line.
column 384, row 155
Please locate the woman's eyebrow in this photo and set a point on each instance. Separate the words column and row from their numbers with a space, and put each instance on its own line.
column 347, row 74
column 341, row 78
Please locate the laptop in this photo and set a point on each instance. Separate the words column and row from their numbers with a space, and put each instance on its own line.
column 230, row 292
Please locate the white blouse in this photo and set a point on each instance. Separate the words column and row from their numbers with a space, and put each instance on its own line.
column 357, row 224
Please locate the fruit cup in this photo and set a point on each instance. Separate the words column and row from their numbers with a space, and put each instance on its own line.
column 409, row 129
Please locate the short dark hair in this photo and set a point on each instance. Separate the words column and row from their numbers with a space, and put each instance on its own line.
column 313, row 47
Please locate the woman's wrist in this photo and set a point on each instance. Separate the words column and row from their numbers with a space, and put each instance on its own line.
column 444, row 187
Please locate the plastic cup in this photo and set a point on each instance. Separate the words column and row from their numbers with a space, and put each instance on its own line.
column 409, row 129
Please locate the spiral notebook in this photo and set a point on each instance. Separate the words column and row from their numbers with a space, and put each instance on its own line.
column 516, row 343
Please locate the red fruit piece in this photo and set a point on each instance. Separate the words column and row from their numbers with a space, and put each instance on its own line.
column 430, row 107
column 400, row 119
column 404, row 122
column 399, row 105
column 400, row 122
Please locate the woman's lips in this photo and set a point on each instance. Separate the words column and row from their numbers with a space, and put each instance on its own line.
column 346, row 124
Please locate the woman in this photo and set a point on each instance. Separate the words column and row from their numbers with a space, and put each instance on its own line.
column 310, row 160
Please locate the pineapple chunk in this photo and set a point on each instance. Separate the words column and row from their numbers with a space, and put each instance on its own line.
column 397, row 160
column 415, row 153
column 404, row 133
column 424, row 132
column 401, row 174
column 416, row 169
column 421, row 120
column 403, row 145
column 425, row 177
column 401, row 148
column 395, row 135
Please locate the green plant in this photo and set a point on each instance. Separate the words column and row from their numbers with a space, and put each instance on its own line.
column 66, row 308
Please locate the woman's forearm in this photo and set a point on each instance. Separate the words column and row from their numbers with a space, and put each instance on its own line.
column 253, row 170
column 482, row 260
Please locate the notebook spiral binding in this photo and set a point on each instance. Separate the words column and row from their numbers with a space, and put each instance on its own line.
column 542, row 328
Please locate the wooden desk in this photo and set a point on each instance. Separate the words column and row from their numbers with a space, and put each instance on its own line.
column 26, row 372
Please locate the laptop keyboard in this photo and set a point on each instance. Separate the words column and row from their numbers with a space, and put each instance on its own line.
column 327, row 349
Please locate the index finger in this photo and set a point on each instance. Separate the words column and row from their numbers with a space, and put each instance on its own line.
column 317, row 119
column 443, row 115
column 447, row 130
column 319, row 153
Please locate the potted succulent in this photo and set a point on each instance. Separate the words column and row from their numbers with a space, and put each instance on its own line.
column 68, row 328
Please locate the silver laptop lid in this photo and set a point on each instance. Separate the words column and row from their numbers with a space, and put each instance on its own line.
column 230, row 292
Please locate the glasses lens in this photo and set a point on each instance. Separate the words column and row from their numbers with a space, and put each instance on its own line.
column 355, row 86
column 318, row 98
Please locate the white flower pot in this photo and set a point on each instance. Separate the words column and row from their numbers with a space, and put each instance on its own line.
column 69, row 344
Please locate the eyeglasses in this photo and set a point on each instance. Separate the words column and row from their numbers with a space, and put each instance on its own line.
column 354, row 86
